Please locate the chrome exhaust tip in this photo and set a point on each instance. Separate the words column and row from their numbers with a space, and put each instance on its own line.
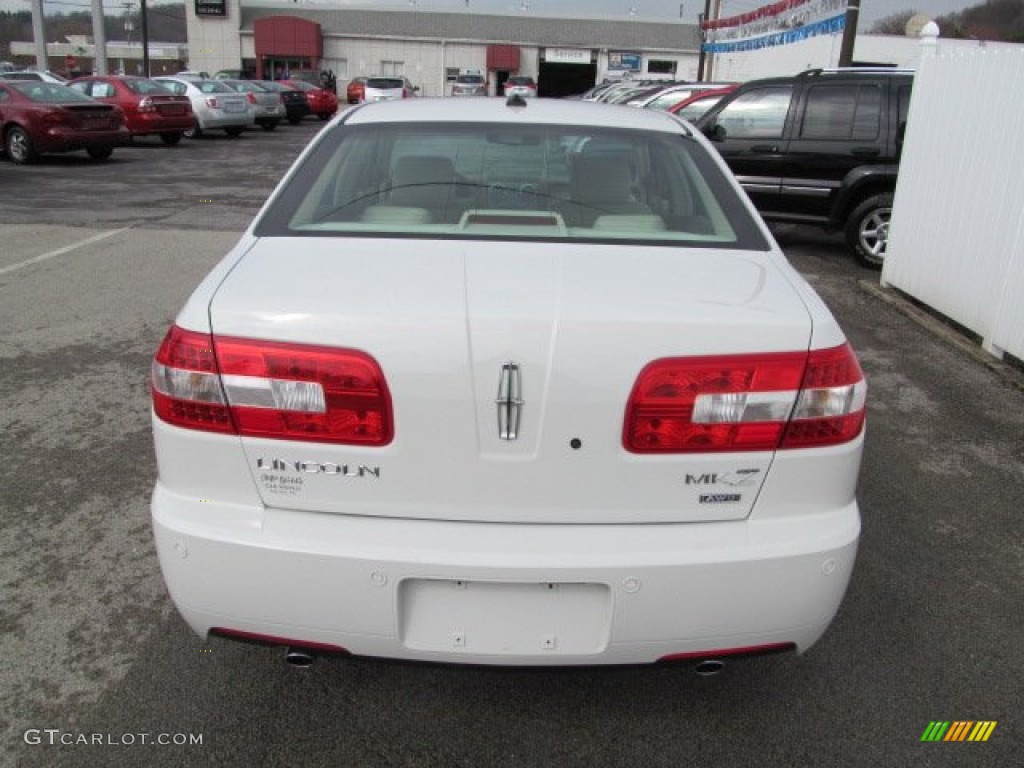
column 298, row 657
column 709, row 667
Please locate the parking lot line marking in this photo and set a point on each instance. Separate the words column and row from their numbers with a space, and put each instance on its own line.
column 62, row 251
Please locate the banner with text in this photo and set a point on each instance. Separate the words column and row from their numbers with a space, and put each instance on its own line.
column 781, row 23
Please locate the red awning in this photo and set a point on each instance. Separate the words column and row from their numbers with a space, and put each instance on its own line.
column 503, row 57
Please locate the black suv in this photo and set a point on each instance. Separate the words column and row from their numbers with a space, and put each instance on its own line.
column 821, row 148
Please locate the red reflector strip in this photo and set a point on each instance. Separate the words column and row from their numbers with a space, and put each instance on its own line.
column 255, row 637
column 750, row 650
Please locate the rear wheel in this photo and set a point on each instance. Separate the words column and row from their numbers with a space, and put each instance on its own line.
column 19, row 146
column 170, row 138
column 194, row 132
column 294, row 119
column 268, row 126
column 867, row 230
column 100, row 153
column 324, row 115
column 234, row 131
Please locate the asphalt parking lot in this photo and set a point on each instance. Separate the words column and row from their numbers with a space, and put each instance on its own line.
column 95, row 261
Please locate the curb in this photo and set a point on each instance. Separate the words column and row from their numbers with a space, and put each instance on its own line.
column 934, row 324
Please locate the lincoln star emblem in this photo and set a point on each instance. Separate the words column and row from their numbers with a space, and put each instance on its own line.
column 509, row 402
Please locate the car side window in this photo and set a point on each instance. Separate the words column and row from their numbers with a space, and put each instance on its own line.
column 81, row 87
column 842, row 111
column 757, row 114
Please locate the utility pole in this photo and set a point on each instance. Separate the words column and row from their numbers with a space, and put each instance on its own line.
column 703, row 38
column 849, row 33
column 39, row 36
column 145, row 40
column 99, row 38
column 711, row 59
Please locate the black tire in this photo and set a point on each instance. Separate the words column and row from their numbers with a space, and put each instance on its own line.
column 192, row 133
column 19, row 146
column 234, row 131
column 268, row 126
column 294, row 119
column 170, row 138
column 867, row 230
column 324, row 116
column 100, row 153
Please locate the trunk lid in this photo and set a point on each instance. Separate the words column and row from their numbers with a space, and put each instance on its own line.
column 444, row 319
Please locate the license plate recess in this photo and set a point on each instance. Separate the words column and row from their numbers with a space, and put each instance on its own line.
column 498, row 618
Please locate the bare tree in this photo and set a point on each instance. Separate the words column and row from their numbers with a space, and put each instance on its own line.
column 893, row 24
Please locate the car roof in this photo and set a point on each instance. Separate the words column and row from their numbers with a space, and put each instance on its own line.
column 540, row 111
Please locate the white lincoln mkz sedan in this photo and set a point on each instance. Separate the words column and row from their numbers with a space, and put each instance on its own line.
column 508, row 383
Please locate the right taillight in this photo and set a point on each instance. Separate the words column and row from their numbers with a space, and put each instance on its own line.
column 271, row 389
column 757, row 402
column 830, row 407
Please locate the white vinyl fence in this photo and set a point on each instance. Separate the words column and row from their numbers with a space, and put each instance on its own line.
column 957, row 231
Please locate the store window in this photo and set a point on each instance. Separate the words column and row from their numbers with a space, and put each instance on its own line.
column 656, row 67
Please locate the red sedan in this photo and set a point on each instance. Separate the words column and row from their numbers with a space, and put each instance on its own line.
column 40, row 117
column 322, row 102
column 149, row 107
column 700, row 102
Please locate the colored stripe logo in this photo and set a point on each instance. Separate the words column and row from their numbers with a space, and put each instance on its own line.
column 958, row 730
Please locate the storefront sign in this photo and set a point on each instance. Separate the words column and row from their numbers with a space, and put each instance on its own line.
column 621, row 61
column 567, row 56
column 212, row 8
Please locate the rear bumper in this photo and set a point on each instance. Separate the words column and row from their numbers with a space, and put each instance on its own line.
column 59, row 139
column 486, row 593
column 209, row 119
column 149, row 124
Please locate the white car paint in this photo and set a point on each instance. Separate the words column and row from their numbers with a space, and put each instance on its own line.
column 450, row 544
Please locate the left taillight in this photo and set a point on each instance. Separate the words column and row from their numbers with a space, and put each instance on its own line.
column 271, row 389
column 746, row 402
column 55, row 116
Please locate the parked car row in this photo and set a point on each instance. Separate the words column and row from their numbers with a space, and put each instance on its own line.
column 98, row 113
column 689, row 100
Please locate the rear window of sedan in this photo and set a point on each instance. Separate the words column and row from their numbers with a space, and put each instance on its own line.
column 146, row 87
column 532, row 182
column 385, row 83
column 470, row 79
column 49, row 93
column 212, row 86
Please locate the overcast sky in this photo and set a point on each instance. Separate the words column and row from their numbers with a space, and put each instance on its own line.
column 871, row 10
